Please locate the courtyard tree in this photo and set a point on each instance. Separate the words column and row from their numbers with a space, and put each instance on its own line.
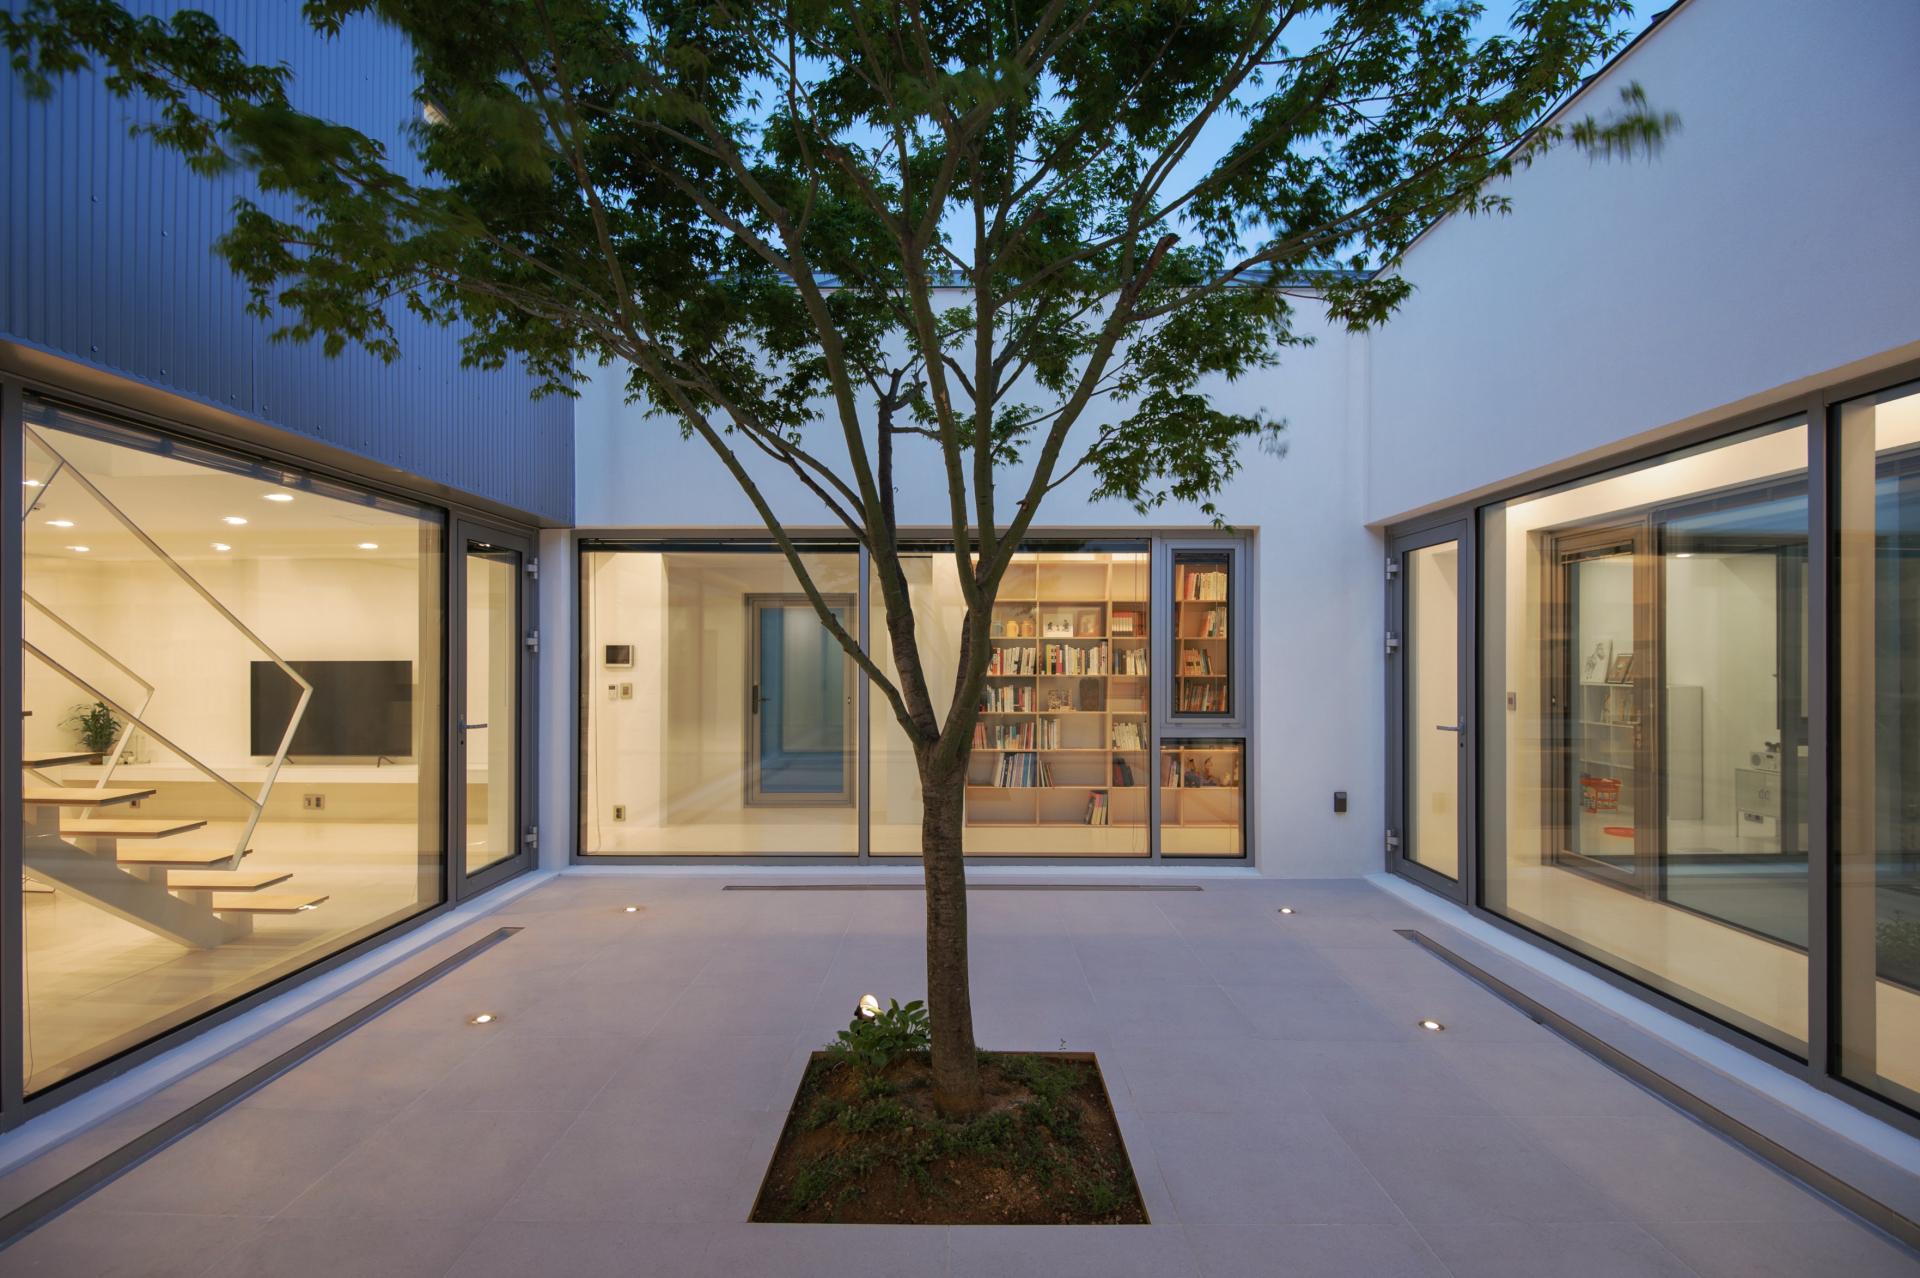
column 1023, row 235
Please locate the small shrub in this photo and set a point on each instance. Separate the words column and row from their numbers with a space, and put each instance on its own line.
column 874, row 1044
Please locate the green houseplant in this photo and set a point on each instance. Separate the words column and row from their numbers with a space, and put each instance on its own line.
column 97, row 726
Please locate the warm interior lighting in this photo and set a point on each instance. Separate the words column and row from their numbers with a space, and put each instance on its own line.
column 484, row 1018
column 79, row 550
column 235, row 520
column 31, row 483
column 1433, row 1025
column 279, row 497
column 221, row 545
column 59, row 523
column 869, row 1006
column 369, row 545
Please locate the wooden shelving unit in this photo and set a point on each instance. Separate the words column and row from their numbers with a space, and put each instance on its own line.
column 1063, row 736
column 1202, row 631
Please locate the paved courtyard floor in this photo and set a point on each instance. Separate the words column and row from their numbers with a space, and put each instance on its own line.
column 1285, row 1113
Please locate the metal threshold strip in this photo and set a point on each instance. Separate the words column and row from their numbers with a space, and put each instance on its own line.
column 1888, row 1220
column 971, row 887
column 103, row 1171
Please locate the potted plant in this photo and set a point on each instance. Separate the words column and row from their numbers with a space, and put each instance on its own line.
column 97, row 726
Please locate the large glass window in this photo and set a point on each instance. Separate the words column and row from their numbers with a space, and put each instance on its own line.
column 231, row 679
column 1061, row 763
column 720, row 711
column 1645, row 709
column 1877, row 721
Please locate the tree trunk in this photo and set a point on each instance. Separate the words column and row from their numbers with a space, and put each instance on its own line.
column 956, row 1066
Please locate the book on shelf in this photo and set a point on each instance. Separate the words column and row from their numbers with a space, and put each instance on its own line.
column 1022, row 771
column 1205, row 698
column 1123, row 774
column 1012, row 699
column 1196, row 661
column 1020, row 660
column 1129, row 736
column 1068, row 659
column 1098, row 810
column 1130, row 661
column 1043, row 735
column 1193, row 584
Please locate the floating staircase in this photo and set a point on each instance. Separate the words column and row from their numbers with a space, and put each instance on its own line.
column 128, row 866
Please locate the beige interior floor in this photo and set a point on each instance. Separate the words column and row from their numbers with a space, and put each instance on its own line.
column 97, row 985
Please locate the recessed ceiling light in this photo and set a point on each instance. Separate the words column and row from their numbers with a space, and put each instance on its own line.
column 1685, row 554
column 79, row 550
column 235, row 520
column 59, row 523
column 31, row 483
column 1431, row 1024
column 221, row 545
column 282, row 497
column 483, row 1018
column 369, row 545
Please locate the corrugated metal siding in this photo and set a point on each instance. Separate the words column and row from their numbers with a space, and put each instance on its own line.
column 107, row 246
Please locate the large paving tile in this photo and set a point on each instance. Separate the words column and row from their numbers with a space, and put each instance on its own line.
column 93, row 1243
column 766, row 1004
column 583, row 1249
column 1313, row 1251
column 1241, row 1169
column 705, row 1071
column 671, row 1165
column 1786, row 1249
column 435, row 1165
column 1545, row 1078
column 1170, row 1011
column 1607, row 1249
column 1668, row 1168
column 1469, row 1168
column 1406, row 1078
column 520, row 1070
column 1322, row 1011
column 1131, row 960
column 1201, row 1076
column 245, row 1162
column 1084, row 1251
column 1268, row 960
column 295, row 1248
column 827, row 1251
column 377, row 1067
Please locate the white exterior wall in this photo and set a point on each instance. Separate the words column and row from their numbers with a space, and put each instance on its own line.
column 1319, row 593
column 1772, row 243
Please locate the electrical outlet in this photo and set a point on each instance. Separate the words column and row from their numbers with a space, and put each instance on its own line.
column 313, row 802
column 619, row 811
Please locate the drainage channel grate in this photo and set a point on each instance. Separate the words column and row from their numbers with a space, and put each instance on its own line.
column 1888, row 1220
column 103, row 1171
column 971, row 887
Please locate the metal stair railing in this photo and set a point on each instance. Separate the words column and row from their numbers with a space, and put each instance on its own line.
column 257, row 803
column 126, row 733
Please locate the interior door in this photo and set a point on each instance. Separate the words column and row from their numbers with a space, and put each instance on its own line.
column 1428, row 741
column 492, row 803
column 800, row 716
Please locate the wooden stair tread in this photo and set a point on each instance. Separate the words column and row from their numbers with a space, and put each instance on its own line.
column 59, row 757
column 183, row 857
column 226, row 880
column 66, row 796
column 265, row 902
column 129, row 828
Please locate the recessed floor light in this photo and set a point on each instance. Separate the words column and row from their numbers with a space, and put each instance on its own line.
column 59, row 523
column 1433, row 1025
column 484, row 1018
column 633, row 909
column 1286, row 909
column 279, row 497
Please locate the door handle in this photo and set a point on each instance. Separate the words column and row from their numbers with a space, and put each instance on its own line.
column 1449, row 727
column 468, row 727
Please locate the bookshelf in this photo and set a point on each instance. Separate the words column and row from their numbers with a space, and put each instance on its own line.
column 1065, row 722
column 1202, row 797
column 1203, row 634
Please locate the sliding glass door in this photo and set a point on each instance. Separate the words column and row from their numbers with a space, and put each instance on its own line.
column 800, row 747
column 492, row 800
column 1427, row 735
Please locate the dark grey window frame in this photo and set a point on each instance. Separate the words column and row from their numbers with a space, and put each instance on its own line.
column 176, row 418
column 1158, row 542
column 1818, row 408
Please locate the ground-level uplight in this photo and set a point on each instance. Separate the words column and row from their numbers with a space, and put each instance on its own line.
column 1286, row 909
column 869, row 1006
column 633, row 909
column 482, row 1018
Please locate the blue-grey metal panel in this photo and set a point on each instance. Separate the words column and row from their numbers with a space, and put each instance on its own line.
column 107, row 248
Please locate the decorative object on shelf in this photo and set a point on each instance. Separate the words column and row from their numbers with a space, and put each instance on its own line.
column 998, row 629
column 1059, row 628
column 1093, row 694
column 1059, row 699
column 1088, row 625
column 97, row 726
column 1621, row 671
column 1593, row 669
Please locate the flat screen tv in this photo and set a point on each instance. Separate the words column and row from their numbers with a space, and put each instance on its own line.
column 359, row 709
